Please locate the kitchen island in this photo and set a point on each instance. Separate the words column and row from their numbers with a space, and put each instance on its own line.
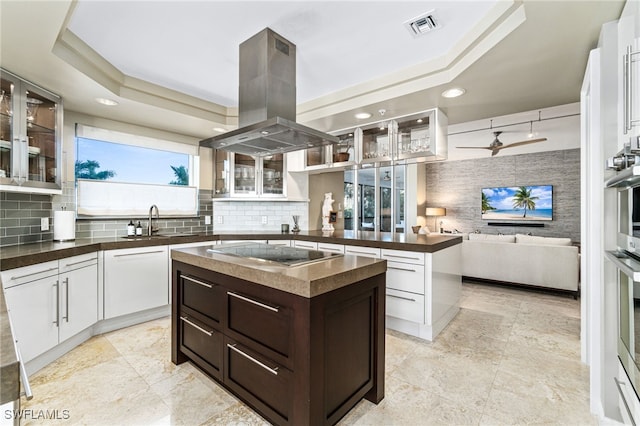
column 299, row 344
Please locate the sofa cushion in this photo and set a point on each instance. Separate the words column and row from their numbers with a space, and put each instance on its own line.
column 532, row 239
column 491, row 237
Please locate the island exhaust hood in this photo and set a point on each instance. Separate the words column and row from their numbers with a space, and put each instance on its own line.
column 267, row 102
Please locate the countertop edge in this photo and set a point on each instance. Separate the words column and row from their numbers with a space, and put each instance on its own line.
column 54, row 251
column 281, row 278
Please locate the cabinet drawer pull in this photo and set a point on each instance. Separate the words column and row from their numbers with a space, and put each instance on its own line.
column 273, row 370
column 401, row 269
column 33, row 273
column 246, row 299
column 57, row 320
column 304, row 246
column 402, row 257
column 136, row 254
column 403, row 298
column 66, row 283
column 194, row 325
column 359, row 252
column 193, row 280
column 619, row 385
column 79, row 262
column 330, row 249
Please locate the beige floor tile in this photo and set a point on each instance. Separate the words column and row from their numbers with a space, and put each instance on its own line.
column 509, row 357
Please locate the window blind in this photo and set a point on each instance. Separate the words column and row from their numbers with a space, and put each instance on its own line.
column 98, row 198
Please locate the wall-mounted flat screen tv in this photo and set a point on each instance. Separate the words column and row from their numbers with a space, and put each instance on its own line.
column 516, row 203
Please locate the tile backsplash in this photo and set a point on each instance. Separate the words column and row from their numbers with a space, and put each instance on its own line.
column 20, row 216
column 21, row 213
column 248, row 215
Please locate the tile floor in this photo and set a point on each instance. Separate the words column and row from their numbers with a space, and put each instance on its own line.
column 509, row 357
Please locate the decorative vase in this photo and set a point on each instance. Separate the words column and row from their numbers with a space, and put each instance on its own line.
column 295, row 223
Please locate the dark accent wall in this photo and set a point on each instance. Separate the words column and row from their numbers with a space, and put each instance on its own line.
column 457, row 185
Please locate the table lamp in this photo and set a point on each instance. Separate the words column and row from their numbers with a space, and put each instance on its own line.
column 435, row 212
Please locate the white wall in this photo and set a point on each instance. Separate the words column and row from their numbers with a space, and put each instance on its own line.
column 561, row 133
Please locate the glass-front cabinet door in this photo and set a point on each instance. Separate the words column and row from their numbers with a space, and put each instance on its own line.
column 273, row 175
column 221, row 173
column 244, row 176
column 421, row 135
column 344, row 151
column 318, row 157
column 30, row 139
column 7, row 153
column 244, row 171
column 376, row 143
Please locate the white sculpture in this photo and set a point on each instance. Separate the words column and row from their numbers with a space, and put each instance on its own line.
column 326, row 212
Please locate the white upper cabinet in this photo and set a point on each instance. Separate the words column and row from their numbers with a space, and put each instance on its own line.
column 629, row 76
column 419, row 137
column 30, row 137
column 244, row 176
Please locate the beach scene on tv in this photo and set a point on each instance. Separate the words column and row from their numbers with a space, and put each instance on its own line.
column 518, row 203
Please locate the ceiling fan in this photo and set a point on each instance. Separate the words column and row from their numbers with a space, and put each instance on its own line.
column 496, row 145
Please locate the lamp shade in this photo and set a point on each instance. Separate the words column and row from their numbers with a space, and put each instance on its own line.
column 436, row 211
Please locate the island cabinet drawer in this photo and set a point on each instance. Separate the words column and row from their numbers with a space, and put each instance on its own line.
column 405, row 277
column 416, row 258
column 259, row 380
column 404, row 305
column 201, row 298
column 262, row 322
column 202, row 343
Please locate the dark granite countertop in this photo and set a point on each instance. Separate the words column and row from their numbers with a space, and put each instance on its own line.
column 30, row 254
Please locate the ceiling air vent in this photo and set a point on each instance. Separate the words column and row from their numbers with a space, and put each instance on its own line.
column 422, row 24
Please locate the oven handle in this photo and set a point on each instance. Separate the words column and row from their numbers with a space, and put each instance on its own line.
column 614, row 257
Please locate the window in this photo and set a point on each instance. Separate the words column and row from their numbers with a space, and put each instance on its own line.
column 122, row 175
column 116, row 162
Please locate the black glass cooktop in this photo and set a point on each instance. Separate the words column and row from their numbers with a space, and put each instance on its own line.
column 290, row 256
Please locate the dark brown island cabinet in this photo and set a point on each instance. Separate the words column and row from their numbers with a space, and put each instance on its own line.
column 295, row 359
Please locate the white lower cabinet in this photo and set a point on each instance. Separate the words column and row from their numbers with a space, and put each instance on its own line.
column 423, row 290
column 79, row 300
column 406, row 306
column 34, row 311
column 135, row 280
column 51, row 302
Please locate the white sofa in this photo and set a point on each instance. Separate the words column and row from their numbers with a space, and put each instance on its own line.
column 522, row 259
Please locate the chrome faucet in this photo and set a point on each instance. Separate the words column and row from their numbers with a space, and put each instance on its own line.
column 150, row 228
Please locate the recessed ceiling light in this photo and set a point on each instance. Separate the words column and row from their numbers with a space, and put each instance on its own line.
column 219, row 129
column 454, row 92
column 106, row 101
column 362, row 115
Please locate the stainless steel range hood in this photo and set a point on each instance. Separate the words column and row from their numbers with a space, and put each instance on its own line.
column 267, row 102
